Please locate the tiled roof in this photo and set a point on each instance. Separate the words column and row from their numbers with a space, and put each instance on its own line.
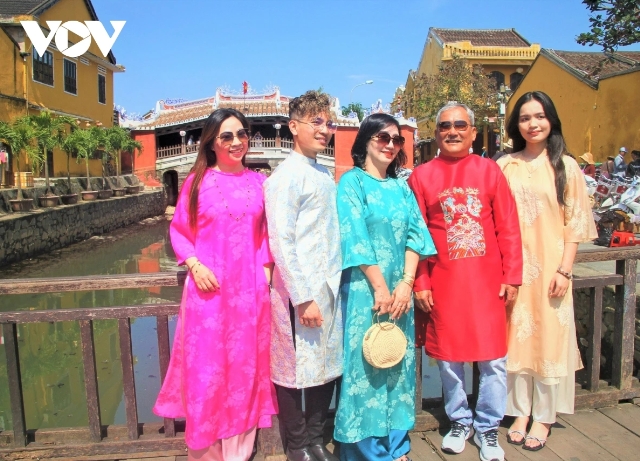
column 9, row 8
column 257, row 108
column 176, row 116
column 482, row 37
column 596, row 65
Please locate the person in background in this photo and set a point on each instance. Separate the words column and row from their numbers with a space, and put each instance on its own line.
column 633, row 169
column 606, row 169
column 619, row 165
column 383, row 237
column 555, row 216
column 306, row 344
column 190, row 141
column 464, row 292
column 219, row 375
column 590, row 167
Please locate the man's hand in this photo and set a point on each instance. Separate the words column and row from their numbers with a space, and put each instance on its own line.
column 509, row 293
column 309, row 314
column 423, row 300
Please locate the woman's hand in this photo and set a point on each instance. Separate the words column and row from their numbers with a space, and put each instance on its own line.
column 205, row 280
column 558, row 286
column 401, row 300
column 383, row 301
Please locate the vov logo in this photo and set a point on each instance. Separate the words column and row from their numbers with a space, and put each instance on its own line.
column 61, row 31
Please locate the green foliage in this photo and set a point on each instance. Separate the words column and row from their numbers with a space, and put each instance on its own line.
column 119, row 140
column 353, row 107
column 21, row 137
column 614, row 23
column 457, row 80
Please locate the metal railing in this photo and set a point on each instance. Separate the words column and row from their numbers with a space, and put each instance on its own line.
column 167, row 438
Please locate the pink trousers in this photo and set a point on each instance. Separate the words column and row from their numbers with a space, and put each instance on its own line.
column 236, row 448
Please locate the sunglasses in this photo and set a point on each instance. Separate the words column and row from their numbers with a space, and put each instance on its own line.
column 318, row 123
column 384, row 138
column 227, row 137
column 458, row 125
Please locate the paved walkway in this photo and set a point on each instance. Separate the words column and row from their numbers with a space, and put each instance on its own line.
column 607, row 434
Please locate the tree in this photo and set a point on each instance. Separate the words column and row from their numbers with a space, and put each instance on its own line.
column 86, row 143
column 457, row 80
column 20, row 136
column 353, row 107
column 119, row 140
column 72, row 144
column 49, row 132
column 619, row 25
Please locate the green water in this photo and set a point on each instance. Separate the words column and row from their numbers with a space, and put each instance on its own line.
column 50, row 353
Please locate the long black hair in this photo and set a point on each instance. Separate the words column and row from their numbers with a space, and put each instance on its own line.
column 371, row 126
column 556, row 147
column 206, row 156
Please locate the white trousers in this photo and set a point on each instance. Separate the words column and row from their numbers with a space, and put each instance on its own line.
column 527, row 396
column 236, row 448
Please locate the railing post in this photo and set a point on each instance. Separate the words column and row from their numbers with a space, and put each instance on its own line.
column 164, row 354
column 10, row 333
column 90, row 379
column 595, row 339
column 624, row 323
column 128, row 378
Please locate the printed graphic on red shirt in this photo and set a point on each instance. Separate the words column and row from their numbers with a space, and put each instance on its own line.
column 465, row 235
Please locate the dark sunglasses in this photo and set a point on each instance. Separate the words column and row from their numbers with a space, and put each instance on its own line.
column 459, row 125
column 227, row 137
column 384, row 138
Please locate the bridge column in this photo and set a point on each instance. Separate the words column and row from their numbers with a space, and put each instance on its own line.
column 144, row 165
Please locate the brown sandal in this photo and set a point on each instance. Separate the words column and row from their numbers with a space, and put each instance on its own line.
column 540, row 446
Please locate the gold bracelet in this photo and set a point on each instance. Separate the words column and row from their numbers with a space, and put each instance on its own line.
column 408, row 283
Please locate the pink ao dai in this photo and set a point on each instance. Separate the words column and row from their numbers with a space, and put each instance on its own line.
column 218, row 376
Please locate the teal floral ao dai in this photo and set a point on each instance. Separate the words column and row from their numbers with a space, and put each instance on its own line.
column 379, row 220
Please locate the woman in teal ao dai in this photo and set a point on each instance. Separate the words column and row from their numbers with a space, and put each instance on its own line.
column 383, row 237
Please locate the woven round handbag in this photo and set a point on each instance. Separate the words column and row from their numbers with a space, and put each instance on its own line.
column 384, row 344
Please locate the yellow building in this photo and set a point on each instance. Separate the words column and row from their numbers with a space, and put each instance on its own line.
column 80, row 87
column 503, row 53
column 597, row 97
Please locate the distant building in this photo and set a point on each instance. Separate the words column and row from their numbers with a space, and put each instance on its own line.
column 597, row 96
column 503, row 53
column 80, row 87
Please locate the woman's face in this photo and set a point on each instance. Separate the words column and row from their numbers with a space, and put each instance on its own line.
column 380, row 152
column 533, row 123
column 231, row 144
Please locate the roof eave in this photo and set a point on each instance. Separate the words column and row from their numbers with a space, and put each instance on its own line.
column 564, row 65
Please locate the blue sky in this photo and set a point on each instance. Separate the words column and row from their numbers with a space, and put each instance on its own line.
column 187, row 48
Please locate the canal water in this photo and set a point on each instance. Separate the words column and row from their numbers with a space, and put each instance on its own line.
column 50, row 353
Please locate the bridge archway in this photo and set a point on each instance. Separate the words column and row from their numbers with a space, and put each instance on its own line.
column 170, row 181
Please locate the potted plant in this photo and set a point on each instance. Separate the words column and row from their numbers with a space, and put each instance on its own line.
column 119, row 140
column 49, row 132
column 19, row 135
column 88, row 142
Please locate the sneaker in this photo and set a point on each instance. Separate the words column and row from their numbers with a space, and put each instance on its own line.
column 455, row 440
column 490, row 449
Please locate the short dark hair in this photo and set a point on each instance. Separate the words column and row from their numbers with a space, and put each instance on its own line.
column 309, row 104
column 369, row 127
column 556, row 147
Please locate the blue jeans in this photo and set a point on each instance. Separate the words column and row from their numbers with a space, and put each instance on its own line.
column 387, row 448
column 492, row 398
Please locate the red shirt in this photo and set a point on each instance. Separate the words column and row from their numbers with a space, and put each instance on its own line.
column 472, row 217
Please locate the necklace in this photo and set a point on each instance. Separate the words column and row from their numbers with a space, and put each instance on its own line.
column 532, row 164
column 224, row 201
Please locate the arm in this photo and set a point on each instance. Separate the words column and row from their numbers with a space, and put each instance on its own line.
column 507, row 227
column 357, row 249
column 183, row 238
column 422, row 285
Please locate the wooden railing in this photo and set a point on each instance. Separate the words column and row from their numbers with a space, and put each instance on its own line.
column 167, row 438
column 174, row 151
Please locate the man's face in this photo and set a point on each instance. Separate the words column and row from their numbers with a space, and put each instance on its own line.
column 452, row 137
column 311, row 132
column 623, row 153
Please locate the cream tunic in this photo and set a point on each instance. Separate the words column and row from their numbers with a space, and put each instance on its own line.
column 541, row 330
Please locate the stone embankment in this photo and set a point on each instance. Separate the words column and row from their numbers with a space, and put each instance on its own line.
column 26, row 234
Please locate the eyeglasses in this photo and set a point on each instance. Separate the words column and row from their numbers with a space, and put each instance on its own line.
column 227, row 137
column 458, row 125
column 318, row 123
column 384, row 138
